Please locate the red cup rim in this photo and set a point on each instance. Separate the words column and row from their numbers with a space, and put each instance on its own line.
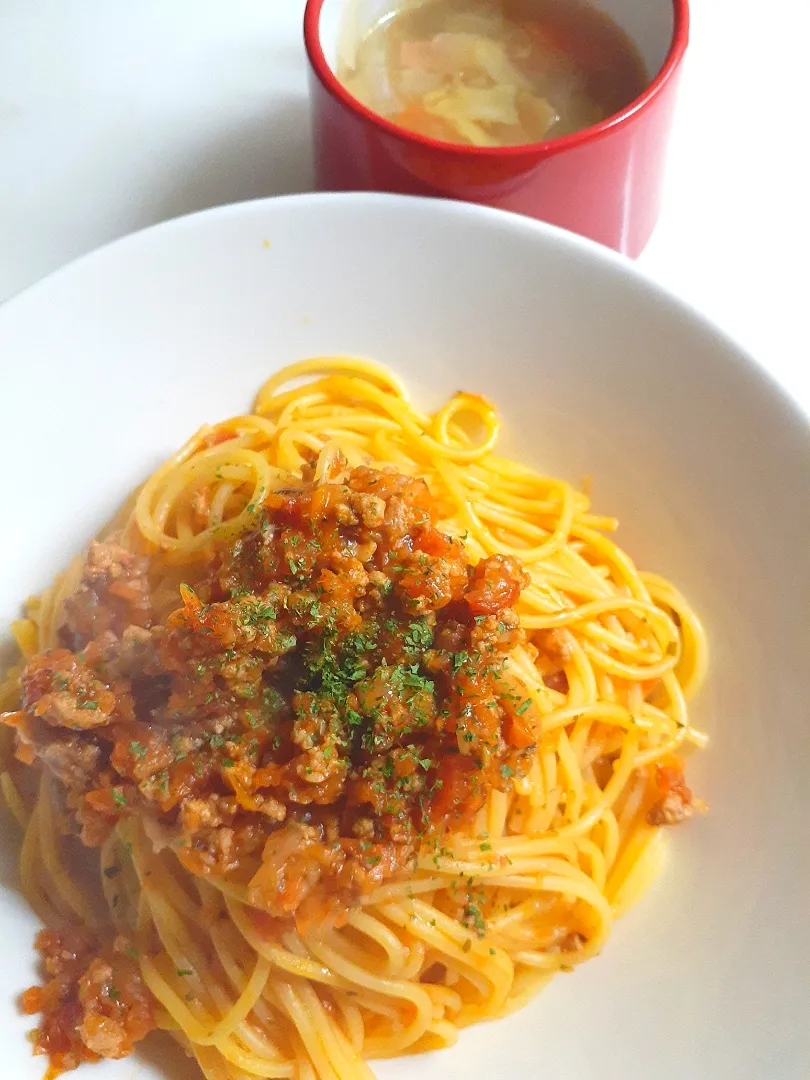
column 317, row 59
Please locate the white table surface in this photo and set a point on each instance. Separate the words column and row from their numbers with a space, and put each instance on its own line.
column 115, row 114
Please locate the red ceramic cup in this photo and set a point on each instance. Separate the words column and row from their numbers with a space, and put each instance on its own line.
column 603, row 182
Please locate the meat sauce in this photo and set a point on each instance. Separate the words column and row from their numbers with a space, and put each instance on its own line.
column 92, row 1005
column 330, row 693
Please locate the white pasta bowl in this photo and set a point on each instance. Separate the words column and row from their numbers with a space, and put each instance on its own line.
column 108, row 365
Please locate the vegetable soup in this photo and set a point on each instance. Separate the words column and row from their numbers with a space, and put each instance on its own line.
column 495, row 72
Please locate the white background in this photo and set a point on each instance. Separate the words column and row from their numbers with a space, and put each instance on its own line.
column 118, row 113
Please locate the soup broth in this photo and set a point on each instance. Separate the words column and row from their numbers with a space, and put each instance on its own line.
column 495, row 72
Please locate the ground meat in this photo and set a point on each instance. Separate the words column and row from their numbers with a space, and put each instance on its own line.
column 672, row 809
column 73, row 760
column 363, row 828
column 408, row 503
column 113, row 594
column 117, row 1008
column 369, row 508
column 353, row 578
column 108, row 562
column 491, row 631
column 399, row 516
column 197, row 814
column 430, row 584
column 93, row 1001
column 377, row 587
column 61, row 689
column 319, row 773
column 134, row 655
column 225, row 850
column 293, row 861
column 676, row 802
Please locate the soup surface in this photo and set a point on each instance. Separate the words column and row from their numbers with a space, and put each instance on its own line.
column 495, row 72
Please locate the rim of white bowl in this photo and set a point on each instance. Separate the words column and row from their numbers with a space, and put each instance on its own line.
column 496, row 218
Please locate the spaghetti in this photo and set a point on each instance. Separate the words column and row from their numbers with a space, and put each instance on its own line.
column 373, row 730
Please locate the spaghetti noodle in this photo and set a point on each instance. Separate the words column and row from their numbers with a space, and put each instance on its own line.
column 373, row 730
